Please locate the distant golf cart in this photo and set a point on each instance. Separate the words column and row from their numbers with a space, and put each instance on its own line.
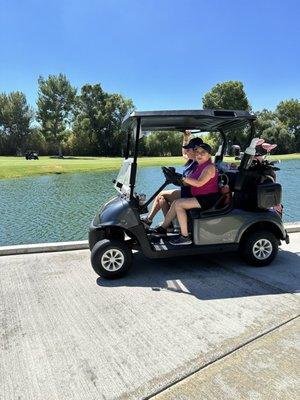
column 243, row 219
column 31, row 155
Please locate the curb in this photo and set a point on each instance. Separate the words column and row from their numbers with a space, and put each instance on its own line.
column 291, row 227
column 43, row 247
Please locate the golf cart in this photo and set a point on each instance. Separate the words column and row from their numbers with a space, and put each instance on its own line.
column 243, row 219
column 31, row 155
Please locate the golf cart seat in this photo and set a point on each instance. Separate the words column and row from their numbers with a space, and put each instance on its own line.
column 223, row 203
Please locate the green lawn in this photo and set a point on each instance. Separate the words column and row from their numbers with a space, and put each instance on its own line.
column 17, row 167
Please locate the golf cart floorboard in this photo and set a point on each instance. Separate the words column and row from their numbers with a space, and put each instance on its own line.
column 163, row 248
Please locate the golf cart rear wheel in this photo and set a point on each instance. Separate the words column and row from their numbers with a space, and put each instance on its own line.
column 259, row 248
column 111, row 258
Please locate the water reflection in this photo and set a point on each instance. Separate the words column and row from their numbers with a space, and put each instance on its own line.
column 60, row 207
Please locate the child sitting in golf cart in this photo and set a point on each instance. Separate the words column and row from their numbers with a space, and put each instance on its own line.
column 165, row 198
column 204, row 193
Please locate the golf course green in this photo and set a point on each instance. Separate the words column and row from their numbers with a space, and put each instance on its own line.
column 18, row 167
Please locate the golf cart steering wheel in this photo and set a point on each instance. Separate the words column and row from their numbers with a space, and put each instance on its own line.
column 172, row 176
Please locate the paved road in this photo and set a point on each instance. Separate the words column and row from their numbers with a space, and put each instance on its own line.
column 209, row 328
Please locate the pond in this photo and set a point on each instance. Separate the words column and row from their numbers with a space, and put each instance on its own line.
column 57, row 208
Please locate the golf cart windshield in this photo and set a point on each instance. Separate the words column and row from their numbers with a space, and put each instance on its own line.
column 122, row 183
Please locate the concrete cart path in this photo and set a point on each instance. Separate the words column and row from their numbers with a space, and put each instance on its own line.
column 67, row 334
column 267, row 368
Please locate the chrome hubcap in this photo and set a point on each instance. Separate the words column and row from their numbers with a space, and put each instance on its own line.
column 262, row 249
column 112, row 260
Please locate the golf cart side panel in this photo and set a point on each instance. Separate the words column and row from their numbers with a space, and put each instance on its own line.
column 268, row 220
column 229, row 228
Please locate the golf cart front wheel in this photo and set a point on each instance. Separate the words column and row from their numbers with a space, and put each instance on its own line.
column 111, row 258
column 259, row 248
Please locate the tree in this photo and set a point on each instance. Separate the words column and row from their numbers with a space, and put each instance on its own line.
column 89, row 120
column 3, row 137
column 15, row 119
column 98, row 120
column 288, row 112
column 56, row 100
column 36, row 141
column 270, row 128
column 229, row 96
column 162, row 143
column 116, row 108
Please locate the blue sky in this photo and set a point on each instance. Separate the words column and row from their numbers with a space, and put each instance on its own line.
column 163, row 54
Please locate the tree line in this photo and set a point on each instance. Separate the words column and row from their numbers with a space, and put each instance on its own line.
column 88, row 121
column 66, row 121
column 281, row 126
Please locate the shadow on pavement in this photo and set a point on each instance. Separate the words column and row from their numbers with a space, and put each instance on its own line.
column 283, row 272
column 205, row 278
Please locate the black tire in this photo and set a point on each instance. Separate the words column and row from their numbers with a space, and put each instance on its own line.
column 111, row 259
column 253, row 242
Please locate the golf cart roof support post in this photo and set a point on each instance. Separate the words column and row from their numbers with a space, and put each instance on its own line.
column 128, row 144
column 224, row 145
column 252, row 132
column 135, row 154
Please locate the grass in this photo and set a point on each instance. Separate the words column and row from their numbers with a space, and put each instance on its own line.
column 18, row 167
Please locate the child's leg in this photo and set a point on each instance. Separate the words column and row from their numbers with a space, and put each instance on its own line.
column 181, row 206
column 167, row 200
column 156, row 205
